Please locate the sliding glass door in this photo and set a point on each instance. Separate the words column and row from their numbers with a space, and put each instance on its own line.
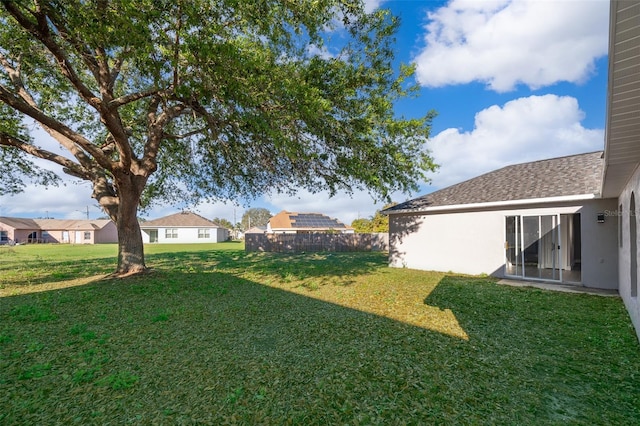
column 533, row 247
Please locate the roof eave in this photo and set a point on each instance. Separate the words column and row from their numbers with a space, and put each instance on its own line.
column 494, row 204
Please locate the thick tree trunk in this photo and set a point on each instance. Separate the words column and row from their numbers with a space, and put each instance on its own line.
column 130, row 246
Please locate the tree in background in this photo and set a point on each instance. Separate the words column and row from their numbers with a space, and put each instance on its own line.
column 224, row 223
column 256, row 216
column 362, row 225
column 178, row 101
column 377, row 223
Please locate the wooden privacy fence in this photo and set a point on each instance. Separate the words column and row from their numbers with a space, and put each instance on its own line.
column 297, row 243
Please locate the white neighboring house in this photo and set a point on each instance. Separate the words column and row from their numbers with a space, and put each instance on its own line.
column 183, row 227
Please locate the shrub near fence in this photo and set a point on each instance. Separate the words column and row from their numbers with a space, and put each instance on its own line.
column 297, row 243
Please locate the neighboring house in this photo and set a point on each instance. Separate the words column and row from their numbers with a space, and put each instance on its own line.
column 183, row 227
column 256, row 230
column 565, row 220
column 19, row 230
column 304, row 223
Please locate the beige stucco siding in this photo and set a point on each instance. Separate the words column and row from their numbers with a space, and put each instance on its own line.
column 599, row 242
column 624, row 253
column 108, row 234
column 447, row 242
column 472, row 242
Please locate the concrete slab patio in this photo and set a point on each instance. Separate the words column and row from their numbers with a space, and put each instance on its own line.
column 560, row 287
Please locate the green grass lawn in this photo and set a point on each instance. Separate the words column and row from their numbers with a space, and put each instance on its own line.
column 217, row 336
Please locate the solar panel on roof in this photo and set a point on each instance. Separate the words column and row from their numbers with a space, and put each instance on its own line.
column 315, row 221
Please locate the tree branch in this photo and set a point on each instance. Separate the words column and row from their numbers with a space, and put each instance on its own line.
column 115, row 72
column 110, row 116
column 75, row 169
column 84, row 51
column 41, row 31
column 16, row 79
column 155, row 125
column 34, row 112
column 13, row 73
column 186, row 135
column 132, row 97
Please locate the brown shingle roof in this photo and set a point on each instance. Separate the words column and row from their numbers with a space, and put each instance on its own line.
column 19, row 223
column 79, row 224
column 180, row 220
column 556, row 177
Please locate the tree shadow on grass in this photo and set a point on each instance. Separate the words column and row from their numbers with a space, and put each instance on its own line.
column 43, row 274
column 215, row 348
column 208, row 348
column 338, row 266
column 35, row 273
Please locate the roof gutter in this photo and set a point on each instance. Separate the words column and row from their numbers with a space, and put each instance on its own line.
column 511, row 203
column 607, row 132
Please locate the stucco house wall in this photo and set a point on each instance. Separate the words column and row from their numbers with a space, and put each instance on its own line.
column 57, row 236
column 631, row 300
column 427, row 242
column 68, row 236
column 9, row 233
column 185, row 235
column 223, row 234
column 473, row 242
column 108, row 234
column 599, row 242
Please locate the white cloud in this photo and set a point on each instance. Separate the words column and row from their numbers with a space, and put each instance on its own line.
column 223, row 210
column 371, row 5
column 70, row 200
column 507, row 42
column 322, row 52
column 525, row 129
column 64, row 202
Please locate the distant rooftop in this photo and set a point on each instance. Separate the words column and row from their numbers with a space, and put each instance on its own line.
column 290, row 220
column 184, row 219
column 54, row 224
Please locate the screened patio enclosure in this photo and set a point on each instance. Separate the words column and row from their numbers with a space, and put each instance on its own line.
column 543, row 247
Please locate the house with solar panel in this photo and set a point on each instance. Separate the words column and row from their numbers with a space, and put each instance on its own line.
column 305, row 223
column 569, row 221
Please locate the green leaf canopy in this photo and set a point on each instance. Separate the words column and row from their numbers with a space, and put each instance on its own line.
column 208, row 99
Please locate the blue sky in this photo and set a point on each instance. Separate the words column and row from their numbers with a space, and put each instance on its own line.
column 511, row 81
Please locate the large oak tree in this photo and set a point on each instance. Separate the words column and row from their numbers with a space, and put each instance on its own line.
column 179, row 101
